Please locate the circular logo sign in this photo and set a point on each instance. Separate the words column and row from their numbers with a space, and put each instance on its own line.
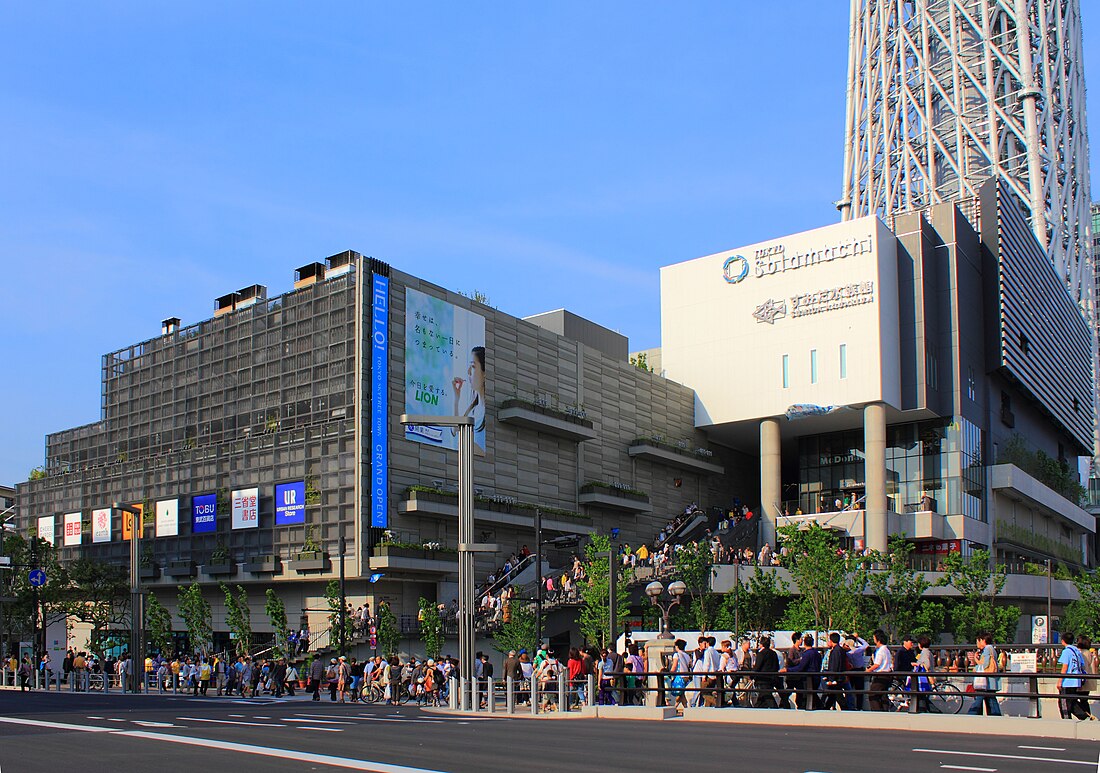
column 735, row 269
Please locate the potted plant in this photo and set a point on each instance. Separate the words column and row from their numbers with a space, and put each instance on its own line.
column 147, row 570
column 180, row 567
column 310, row 558
column 220, row 562
column 267, row 564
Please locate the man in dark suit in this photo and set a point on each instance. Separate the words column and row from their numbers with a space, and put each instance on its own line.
column 836, row 682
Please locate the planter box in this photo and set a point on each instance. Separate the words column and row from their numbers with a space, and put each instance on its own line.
column 418, row 553
column 261, row 565
column 227, row 569
column 546, row 419
column 180, row 569
column 310, row 562
column 615, row 499
column 427, row 503
column 661, row 453
column 149, row 572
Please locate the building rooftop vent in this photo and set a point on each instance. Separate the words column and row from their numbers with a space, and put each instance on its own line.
column 247, row 296
column 308, row 274
column 169, row 326
column 340, row 263
column 225, row 304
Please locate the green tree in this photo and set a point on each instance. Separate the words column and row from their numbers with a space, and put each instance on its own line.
column 897, row 590
column 194, row 611
column 238, row 618
column 830, row 581
column 389, row 637
column 978, row 584
column 641, row 362
column 431, row 628
column 519, row 632
column 595, row 617
column 99, row 595
column 337, row 625
column 158, row 626
column 1083, row 615
column 53, row 598
column 754, row 607
column 694, row 564
column 276, row 613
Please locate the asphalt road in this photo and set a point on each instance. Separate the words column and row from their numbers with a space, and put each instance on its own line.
column 89, row 733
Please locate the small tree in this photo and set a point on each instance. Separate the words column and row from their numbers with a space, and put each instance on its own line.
column 693, row 566
column 431, row 628
column 830, row 582
column 519, row 632
column 337, row 623
column 897, row 589
column 98, row 596
column 389, row 637
column 158, row 624
column 194, row 611
column 754, row 607
column 978, row 584
column 595, row 617
column 276, row 613
column 238, row 617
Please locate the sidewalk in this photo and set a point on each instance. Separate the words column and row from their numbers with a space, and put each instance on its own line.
column 861, row 720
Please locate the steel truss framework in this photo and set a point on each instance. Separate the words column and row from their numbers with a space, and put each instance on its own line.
column 943, row 94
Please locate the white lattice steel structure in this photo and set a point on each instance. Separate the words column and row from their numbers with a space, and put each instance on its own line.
column 943, row 94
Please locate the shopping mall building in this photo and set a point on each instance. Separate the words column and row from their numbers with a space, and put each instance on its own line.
column 928, row 377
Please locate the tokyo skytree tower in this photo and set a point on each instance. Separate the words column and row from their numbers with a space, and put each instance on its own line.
column 943, row 94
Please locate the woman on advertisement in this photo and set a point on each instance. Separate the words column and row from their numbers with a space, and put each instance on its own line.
column 470, row 393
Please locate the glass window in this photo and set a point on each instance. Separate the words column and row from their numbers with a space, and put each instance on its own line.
column 813, row 366
column 786, row 371
column 844, row 360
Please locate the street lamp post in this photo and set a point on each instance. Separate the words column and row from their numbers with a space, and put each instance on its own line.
column 676, row 590
column 466, row 545
column 137, row 597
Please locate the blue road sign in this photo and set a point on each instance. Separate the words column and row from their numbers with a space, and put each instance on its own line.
column 37, row 577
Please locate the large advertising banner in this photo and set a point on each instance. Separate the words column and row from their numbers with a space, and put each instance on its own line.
column 46, row 527
column 444, row 367
column 74, row 529
column 128, row 522
column 101, row 525
column 168, row 518
column 204, row 513
column 246, row 508
column 290, row 503
column 380, row 414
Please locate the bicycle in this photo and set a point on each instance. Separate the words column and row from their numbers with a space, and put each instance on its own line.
column 942, row 697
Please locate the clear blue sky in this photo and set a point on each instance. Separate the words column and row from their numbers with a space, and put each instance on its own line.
column 154, row 156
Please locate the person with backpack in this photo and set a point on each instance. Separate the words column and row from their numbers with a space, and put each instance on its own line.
column 1072, row 682
column 316, row 674
column 986, row 687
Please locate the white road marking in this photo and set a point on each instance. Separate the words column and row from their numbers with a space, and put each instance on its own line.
column 95, row 717
column 237, row 716
column 229, row 746
column 1004, row 756
column 115, row 719
column 145, row 723
column 964, row 767
column 322, row 729
column 257, row 716
column 231, row 722
column 314, row 720
column 1043, row 748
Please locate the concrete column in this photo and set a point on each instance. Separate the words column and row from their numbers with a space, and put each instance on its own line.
column 771, row 472
column 876, row 528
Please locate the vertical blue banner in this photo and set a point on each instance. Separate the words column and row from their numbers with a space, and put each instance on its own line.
column 379, row 423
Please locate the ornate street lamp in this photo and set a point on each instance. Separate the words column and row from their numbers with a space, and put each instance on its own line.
column 676, row 590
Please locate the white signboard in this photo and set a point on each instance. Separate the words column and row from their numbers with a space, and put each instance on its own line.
column 246, row 508
column 46, row 528
column 168, row 517
column 101, row 525
column 1021, row 663
column 74, row 529
column 1040, row 630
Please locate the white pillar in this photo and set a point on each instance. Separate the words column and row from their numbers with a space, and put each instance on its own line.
column 876, row 528
column 771, row 472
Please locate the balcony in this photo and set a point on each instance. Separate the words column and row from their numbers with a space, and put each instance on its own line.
column 659, row 452
column 569, row 424
column 435, row 503
column 614, row 497
column 409, row 558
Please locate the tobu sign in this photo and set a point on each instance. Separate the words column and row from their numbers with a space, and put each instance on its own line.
column 204, row 513
column 246, row 508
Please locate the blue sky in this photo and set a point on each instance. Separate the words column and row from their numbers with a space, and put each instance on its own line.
column 154, row 156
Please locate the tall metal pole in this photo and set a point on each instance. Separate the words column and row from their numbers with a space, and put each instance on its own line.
column 343, row 599
column 538, row 577
column 137, row 598
column 737, row 597
column 613, row 597
column 1049, row 627
column 465, row 553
